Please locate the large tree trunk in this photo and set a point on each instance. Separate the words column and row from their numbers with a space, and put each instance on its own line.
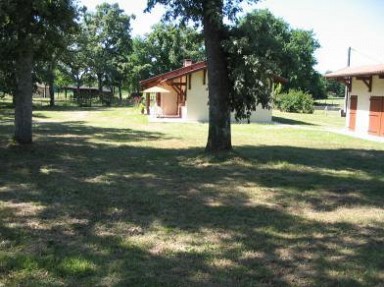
column 219, row 136
column 23, row 97
column 51, row 95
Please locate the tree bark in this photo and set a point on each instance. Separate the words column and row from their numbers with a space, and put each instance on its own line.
column 219, row 135
column 23, row 97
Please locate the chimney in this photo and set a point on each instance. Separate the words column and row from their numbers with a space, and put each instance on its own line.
column 187, row 62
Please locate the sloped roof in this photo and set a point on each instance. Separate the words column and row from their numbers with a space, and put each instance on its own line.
column 174, row 74
column 357, row 71
column 189, row 70
column 156, row 89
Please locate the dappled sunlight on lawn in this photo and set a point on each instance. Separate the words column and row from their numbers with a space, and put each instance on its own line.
column 138, row 204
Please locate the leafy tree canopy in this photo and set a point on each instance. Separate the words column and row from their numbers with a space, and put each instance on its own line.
column 287, row 51
column 162, row 50
column 210, row 14
column 108, row 42
column 27, row 29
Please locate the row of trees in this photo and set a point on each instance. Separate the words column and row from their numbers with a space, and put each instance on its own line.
column 58, row 43
column 99, row 52
column 103, row 52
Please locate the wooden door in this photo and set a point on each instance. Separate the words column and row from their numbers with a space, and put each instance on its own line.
column 352, row 112
column 381, row 131
column 375, row 111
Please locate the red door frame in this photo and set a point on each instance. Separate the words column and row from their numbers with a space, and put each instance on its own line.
column 376, row 116
column 352, row 112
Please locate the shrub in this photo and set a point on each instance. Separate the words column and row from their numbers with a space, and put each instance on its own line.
column 294, row 102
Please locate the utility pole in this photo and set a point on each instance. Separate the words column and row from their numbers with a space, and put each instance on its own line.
column 349, row 57
column 346, row 93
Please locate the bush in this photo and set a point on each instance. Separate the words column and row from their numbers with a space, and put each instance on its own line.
column 294, row 102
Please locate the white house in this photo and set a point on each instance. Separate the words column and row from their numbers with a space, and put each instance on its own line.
column 365, row 98
column 183, row 94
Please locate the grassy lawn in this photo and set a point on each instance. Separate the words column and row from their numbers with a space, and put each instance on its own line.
column 336, row 101
column 318, row 120
column 104, row 198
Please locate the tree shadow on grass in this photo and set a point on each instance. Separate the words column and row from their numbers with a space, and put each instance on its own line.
column 79, row 213
column 69, row 108
column 289, row 121
column 72, row 131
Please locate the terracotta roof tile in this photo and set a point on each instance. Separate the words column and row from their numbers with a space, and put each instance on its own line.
column 357, row 71
column 174, row 74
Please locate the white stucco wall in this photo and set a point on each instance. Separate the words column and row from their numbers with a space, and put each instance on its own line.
column 360, row 90
column 197, row 103
column 259, row 116
column 197, row 98
column 169, row 101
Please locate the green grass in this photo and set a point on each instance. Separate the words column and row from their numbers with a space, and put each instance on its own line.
column 104, row 198
column 319, row 119
column 336, row 101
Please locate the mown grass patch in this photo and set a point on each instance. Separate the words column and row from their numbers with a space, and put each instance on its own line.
column 103, row 198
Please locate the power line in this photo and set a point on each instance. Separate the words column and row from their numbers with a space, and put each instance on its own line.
column 368, row 56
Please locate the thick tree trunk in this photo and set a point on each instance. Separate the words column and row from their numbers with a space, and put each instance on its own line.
column 219, row 135
column 51, row 95
column 23, row 97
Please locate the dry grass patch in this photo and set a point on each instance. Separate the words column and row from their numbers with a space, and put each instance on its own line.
column 104, row 198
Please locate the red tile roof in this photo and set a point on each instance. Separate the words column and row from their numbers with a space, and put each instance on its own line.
column 357, row 71
column 174, row 74
column 188, row 70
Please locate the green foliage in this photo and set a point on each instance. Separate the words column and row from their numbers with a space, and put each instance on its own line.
column 168, row 45
column 39, row 26
column 73, row 63
column 249, row 76
column 294, row 102
column 193, row 10
column 290, row 52
column 334, row 88
column 105, row 44
column 210, row 14
column 262, row 45
column 162, row 50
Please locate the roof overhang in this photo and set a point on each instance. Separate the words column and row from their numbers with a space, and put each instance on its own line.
column 361, row 71
column 150, row 82
column 174, row 74
column 156, row 89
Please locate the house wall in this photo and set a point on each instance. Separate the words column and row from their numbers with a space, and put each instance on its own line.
column 197, row 99
column 360, row 90
column 260, row 116
column 197, row 103
column 169, row 101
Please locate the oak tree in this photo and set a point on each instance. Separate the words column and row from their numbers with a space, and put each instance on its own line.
column 210, row 15
column 25, row 28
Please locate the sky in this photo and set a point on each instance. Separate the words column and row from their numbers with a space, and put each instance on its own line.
column 337, row 25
